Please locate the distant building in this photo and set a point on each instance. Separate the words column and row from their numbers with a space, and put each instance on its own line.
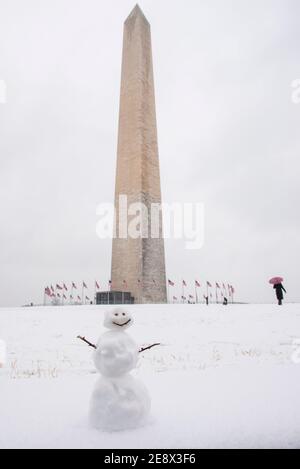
column 114, row 298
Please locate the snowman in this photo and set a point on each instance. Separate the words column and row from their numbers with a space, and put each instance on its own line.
column 119, row 401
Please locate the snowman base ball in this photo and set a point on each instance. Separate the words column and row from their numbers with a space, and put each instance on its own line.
column 119, row 404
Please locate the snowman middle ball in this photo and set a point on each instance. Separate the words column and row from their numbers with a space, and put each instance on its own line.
column 116, row 354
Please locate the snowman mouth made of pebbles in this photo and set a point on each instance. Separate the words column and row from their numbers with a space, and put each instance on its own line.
column 119, row 401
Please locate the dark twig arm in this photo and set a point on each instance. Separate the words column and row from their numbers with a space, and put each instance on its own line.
column 148, row 348
column 87, row 342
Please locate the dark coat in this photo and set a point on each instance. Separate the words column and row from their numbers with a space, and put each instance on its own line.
column 279, row 290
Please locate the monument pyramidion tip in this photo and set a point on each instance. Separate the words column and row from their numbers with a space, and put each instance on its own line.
column 135, row 13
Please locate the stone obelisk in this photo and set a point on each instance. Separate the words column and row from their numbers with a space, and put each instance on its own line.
column 138, row 263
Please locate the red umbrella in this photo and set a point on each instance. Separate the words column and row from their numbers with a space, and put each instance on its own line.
column 276, row 280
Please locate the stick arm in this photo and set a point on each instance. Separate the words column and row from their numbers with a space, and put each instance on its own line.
column 87, row 342
column 148, row 348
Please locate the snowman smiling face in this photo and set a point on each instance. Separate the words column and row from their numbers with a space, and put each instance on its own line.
column 118, row 319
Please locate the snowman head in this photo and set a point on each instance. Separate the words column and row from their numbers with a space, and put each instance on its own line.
column 118, row 319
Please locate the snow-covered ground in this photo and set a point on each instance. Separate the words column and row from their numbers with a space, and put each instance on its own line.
column 223, row 377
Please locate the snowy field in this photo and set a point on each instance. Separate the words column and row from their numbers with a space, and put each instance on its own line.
column 223, row 377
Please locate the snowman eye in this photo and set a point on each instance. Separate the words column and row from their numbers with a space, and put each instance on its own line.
column 124, row 314
column 116, row 314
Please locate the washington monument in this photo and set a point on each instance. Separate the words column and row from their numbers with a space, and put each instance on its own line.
column 138, row 263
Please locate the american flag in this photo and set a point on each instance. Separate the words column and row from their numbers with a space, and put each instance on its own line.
column 48, row 291
column 58, row 287
column 74, row 286
column 65, row 287
column 84, row 285
column 184, row 283
column 209, row 284
column 172, row 284
column 197, row 284
column 217, row 285
column 97, row 285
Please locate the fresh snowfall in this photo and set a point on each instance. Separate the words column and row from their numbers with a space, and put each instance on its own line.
column 222, row 377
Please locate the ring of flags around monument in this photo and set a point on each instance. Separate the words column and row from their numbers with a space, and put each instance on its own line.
column 199, row 292
column 59, row 295
column 211, row 292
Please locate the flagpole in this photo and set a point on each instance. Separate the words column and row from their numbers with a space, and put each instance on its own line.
column 124, row 285
column 139, row 291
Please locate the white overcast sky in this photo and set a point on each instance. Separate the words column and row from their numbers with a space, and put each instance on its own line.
column 228, row 137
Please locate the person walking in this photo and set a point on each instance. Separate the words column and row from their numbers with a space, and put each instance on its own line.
column 278, row 287
column 279, row 292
